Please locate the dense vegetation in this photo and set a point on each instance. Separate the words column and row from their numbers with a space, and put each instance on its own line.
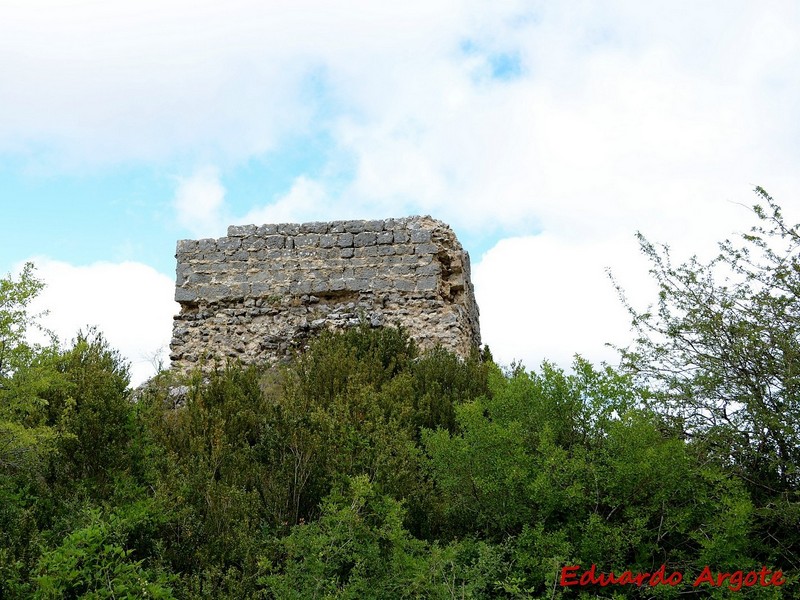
column 368, row 470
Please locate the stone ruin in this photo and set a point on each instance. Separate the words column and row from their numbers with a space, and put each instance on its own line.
column 262, row 291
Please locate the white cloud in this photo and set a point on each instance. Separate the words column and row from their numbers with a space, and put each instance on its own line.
column 130, row 303
column 199, row 203
column 623, row 116
column 619, row 108
column 543, row 298
column 620, row 119
column 549, row 296
column 152, row 79
column 307, row 200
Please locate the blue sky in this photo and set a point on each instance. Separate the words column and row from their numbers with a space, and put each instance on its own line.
column 545, row 133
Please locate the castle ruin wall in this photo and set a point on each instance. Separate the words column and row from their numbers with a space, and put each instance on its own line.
column 262, row 291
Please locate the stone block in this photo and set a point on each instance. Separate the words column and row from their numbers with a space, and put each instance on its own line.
column 404, row 285
column 300, row 287
column 320, row 286
column 365, row 238
column 366, row 272
column 199, row 278
column 380, row 284
column 253, row 243
column 402, row 270
column 429, row 269
column 420, row 259
column 186, row 246
column 307, row 240
column 182, row 273
column 358, row 284
column 266, row 230
column 184, row 295
column 288, row 228
column 354, row 226
column 229, row 244
column 427, row 284
column 426, row 249
column 206, row 245
column 261, row 274
column 241, row 230
column 366, row 252
column 401, row 237
column 420, row 236
column 213, row 293
column 315, row 227
column 389, row 224
column 275, row 241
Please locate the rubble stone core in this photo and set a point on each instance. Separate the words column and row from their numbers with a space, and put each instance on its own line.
column 263, row 290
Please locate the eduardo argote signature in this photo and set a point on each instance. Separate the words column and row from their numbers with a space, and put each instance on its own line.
column 735, row 581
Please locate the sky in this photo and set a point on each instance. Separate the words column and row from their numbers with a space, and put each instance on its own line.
column 545, row 133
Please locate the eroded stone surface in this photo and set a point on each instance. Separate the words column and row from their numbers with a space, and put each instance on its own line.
column 263, row 290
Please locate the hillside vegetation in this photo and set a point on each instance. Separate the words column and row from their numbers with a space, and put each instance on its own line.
column 367, row 470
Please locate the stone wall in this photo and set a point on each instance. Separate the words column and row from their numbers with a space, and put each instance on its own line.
column 262, row 291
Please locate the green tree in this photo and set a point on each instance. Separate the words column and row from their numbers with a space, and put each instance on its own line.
column 25, row 370
column 93, row 563
column 357, row 549
column 214, row 488
column 88, row 405
column 15, row 319
column 721, row 350
column 20, row 431
column 566, row 469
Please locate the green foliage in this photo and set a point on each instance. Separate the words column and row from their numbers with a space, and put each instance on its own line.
column 64, row 434
column 568, row 469
column 256, row 451
column 721, row 350
column 88, row 406
column 533, row 428
column 360, row 356
column 354, row 405
column 724, row 344
column 24, row 438
column 27, row 444
column 15, row 320
column 210, row 480
column 18, row 547
column 358, row 548
column 93, row 563
column 364, row 469
column 441, row 382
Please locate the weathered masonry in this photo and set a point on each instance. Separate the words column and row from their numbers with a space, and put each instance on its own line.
column 262, row 291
